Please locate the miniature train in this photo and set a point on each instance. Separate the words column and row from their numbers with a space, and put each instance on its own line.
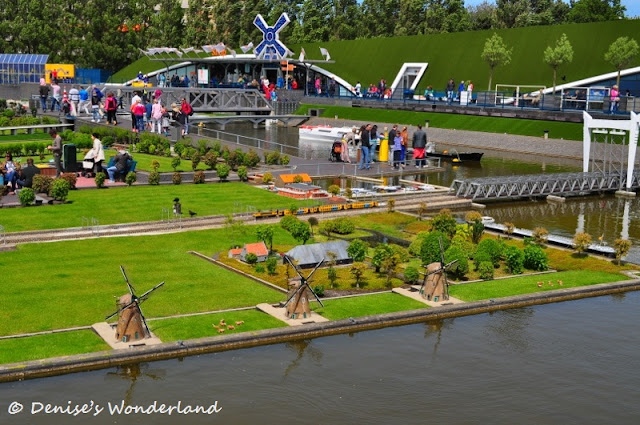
column 318, row 209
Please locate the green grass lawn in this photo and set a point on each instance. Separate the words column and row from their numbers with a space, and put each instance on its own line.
column 51, row 345
column 142, row 203
column 64, row 284
column 528, row 284
column 557, row 129
column 344, row 308
column 145, row 160
column 202, row 326
column 18, row 138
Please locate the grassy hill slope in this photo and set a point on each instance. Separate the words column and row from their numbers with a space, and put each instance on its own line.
column 457, row 55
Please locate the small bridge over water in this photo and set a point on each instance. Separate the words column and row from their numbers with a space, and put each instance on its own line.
column 203, row 99
column 538, row 185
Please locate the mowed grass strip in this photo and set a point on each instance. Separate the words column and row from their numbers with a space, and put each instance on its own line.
column 50, row 345
column 523, row 127
column 343, row 308
column 65, row 284
column 142, row 203
column 529, row 284
column 201, row 326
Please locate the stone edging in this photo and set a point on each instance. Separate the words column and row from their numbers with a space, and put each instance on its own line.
column 107, row 359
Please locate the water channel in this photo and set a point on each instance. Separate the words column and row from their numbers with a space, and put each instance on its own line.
column 572, row 362
column 567, row 363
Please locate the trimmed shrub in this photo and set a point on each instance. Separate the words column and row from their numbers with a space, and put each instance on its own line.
column 251, row 258
column 485, row 270
column 211, row 158
column 284, row 160
column 176, row 178
column 99, row 179
column 622, row 247
column 272, row 158
column 334, row 189
column 343, row 226
column 195, row 160
column 535, row 258
column 71, row 178
column 272, row 264
column 130, row 178
column 514, row 259
column 288, row 222
column 267, row 178
column 243, row 175
column 251, row 159
column 488, row 250
column 198, row 177
column 154, row 178
column 461, row 267
column 60, row 189
column 223, row 171
column 26, row 196
column 42, row 184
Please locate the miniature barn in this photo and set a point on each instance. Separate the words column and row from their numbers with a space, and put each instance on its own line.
column 302, row 191
column 307, row 256
column 259, row 249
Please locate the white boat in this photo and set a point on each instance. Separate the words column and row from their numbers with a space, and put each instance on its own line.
column 388, row 189
column 323, row 133
column 488, row 220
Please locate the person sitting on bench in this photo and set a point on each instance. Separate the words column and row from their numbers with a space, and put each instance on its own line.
column 25, row 175
column 120, row 164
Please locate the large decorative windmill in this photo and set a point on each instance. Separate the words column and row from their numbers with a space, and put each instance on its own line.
column 297, row 304
column 435, row 286
column 132, row 325
column 271, row 48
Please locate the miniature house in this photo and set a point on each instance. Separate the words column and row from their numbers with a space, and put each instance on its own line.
column 284, row 179
column 258, row 248
column 302, row 191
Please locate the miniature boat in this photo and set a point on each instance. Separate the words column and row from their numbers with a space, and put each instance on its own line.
column 323, row 133
column 457, row 156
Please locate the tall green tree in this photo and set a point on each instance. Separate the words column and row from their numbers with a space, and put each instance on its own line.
column 595, row 10
column 201, row 28
column 167, row 27
column 317, row 17
column 347, row 20
column 621, row 53
column 379, row 18
column 559, row 55
column 511, row 12
column 447, row 16
column 483, row 16
column 411, row 17
column 495, row 54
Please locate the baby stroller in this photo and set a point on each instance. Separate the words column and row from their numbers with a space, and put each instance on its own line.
column 336, row 150
column 88, row 168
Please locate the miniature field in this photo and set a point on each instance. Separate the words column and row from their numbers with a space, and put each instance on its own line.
column 343, row 308
column 141, row 203
column 50, row 345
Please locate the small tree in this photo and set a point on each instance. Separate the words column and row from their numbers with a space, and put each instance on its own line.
column 198, row 177
column 99, row 179
column 332, row 274
column 334, row 189
column 312, row 222
column 301, row 232
column 581, row 242
column 557, row 56
column 445, row 223
column 327, row 227
column 390, row 265
column 60, row 190
column 472, row 216
column 495, row 54
column 540, row 235
column 175, row 163
column 357, row 271
column 155, row 165
column 195, row 160
column 622, row 247
column 509, row 228
column 422, row 210
column 298, row 178
column 621, row 53
column 272, row 264
column 411, row 275
column 264, row 232
column 176, row 178
column 223, row 171
column 514, row 259
column 380, row 254
column 357, row 250
column 391, row 205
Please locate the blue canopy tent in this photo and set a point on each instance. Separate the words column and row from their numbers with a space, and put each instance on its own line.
column 16, row 68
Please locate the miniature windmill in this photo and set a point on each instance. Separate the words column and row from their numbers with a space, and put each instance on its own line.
column 435, row 286
column 132, row 325
column 297, row 304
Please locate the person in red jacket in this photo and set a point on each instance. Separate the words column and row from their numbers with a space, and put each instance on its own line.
column 187, row 111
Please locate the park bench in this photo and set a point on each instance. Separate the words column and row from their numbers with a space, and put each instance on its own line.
column 131, row 167
column 30, row 129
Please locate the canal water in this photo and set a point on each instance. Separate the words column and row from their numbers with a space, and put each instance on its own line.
column 567, row 363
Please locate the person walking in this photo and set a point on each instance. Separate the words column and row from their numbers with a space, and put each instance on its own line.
column 44, row 94
column 56, row 149
column 615, row 99
column 111, row 106
column 187, row 111
column 365, row 144
column 419, row 144
column 156, row 116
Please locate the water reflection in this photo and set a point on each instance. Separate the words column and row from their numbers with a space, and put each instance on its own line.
column 508, row 329
column 131, row 373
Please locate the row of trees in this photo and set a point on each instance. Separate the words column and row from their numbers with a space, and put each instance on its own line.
column 620, row 54
column 108, row 33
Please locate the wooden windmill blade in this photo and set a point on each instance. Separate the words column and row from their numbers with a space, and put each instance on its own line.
column 144, row 320
column 146, row 294
column 126, row 279
column 304, row 282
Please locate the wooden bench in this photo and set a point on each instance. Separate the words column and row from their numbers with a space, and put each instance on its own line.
column 30, row 129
